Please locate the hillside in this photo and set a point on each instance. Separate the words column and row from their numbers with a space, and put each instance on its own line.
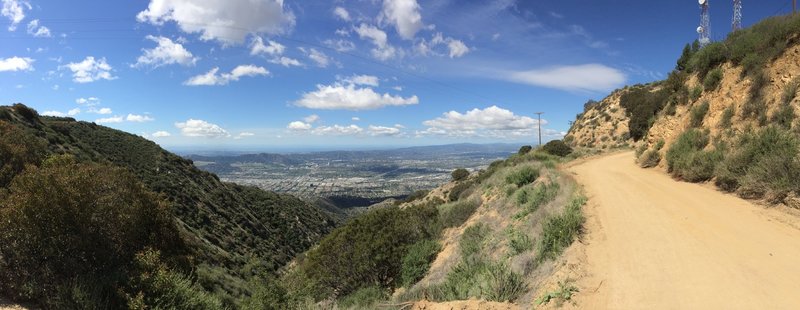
column 234, row 234
column 726, row 114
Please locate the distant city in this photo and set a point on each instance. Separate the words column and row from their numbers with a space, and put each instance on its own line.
column 366, row 174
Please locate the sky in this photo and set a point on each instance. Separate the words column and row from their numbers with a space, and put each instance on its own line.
column 284, row 74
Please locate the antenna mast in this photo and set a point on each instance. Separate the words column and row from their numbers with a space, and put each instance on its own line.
column 737, row 15
column 705, row 23
column 540, row 126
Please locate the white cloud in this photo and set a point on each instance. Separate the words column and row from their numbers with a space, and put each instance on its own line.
column 382, row 50
column 226, row 21
column 298, row 126
column 492, row 121
column 404, row 15
column 14, row 10
column 201, row 128
column 320, row 58
column 90, row 70
column 337, row 130
column 91, row 101
column 242, row 135
column 350, row 97
column 257, row 47
column 340, row 45
column 368, row 80
column 311, row 118
column 113, row 119
column 383, row 131
column 16, row 64
column 590, row 77
column 53, row 113
column 212, row 78
column 286, row 61
column 455, row 48
column 166, row 53
column 38, row 31
column 161, row 134
column 102, row 111
column 341, row 13
column 355, row 118
column 138, row 118
column 74, row 112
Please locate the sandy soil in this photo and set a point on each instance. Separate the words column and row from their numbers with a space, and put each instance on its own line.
column 655, row 243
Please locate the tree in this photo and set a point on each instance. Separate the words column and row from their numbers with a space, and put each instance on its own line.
column 686, row 55
column 459, row 174
column 557, row 147
column 17, row 150
column 525, row 149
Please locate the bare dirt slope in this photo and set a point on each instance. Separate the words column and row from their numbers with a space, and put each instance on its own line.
column 653, row 242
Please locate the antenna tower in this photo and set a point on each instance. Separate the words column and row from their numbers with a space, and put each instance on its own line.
column 737, row 15
column 705, row 23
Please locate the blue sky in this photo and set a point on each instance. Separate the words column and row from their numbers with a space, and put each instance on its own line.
column 271, row 74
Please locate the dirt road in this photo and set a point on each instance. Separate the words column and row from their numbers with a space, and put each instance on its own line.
column 656, row 243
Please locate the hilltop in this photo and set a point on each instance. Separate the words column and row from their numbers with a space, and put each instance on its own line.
column 726, row 114
column 231, row 234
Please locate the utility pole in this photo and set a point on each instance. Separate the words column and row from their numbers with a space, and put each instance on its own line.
column 540, row 126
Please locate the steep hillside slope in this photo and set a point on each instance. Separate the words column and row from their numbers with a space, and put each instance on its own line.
column 726, row 114
column 233, row 232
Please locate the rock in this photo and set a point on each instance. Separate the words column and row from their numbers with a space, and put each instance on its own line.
column 792, row 200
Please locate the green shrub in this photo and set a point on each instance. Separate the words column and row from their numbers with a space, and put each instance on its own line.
column 522, row 176
column 557, row 148
column 687, row 160
column 559, row 231
column 418, row 260
column 725, row 121
column 479, row 279
column 165, row 289
column 784, row 116
column 26, row 112
column 456, row 213
column 267, row 295
column 519, row 242
column 708, row 58
column 641, row 106
column 761, row 164
column 698, row 113
column 71, row 231
column 790, row 91
column 17, row 150
column 459, row 190
column 525, row 149
column 472, row 240
column 460, row 174
column 640, row 150
column 659, row 144
column 364, row 298
column 697, row 91
column 650, row 159
column 713, row 79
column 530, row 199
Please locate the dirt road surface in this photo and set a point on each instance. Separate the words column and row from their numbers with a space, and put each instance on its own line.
column 656, row 243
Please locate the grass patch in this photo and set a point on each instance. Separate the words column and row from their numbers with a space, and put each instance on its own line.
column 523, row 176
column 713, row 79
column 530, row 199
column 725, row 121
column 479, row 279
column 697, row 91
column 364, row 298
column 564, row 293
column 519, row 242
column 698, row 113
column 456, row 213
column 559, row 231
column 472, row 240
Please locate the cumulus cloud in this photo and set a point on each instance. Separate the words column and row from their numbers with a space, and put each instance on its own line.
column 14, row 10
column 72, row 112
column 455, row 48
column 340, row 45
column 368, row 80
column 492, row 121
column 212, row 78
column 38, row 31
column 341, row 13
column 90, row 70
column 355, row 118
column 272, row 48
column 382, row 49
column 113, row 119
column 201, row 128
column 91, row 101
column 286, row 62
column 166, row 53
column 589, row 77
column 404, row 15
column 311, row 118
column 350, row 97
column 337, row 130
column 298, row 126
column 138, row 118
column 161, row 134
column 100, row 111
column 226, row 21
column 383, row 131
column 16, row 64
column 318, row 57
